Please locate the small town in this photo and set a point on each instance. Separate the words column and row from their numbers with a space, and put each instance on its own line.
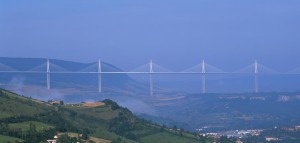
column 241, row 134
column 234, row 134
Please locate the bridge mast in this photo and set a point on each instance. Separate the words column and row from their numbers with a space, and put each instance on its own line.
column 48, row 74
column 151, row 80
column 99, row 77
column 256, row 76
column 203, row 77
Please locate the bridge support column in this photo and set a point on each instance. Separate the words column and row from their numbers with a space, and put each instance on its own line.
column 151, row 80
column 203, row 78
column 99, row 77
column 48, row 74
column 256, row 76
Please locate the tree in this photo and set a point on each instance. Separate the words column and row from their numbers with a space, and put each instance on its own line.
column 181, row 130
column 225, row 139
column 4, row 128
column 113, row 105
column 32, row 133
column 64, row 139
column 118, row 140
column 175, row 128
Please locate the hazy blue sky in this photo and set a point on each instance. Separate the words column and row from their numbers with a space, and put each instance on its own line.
column 174, row 33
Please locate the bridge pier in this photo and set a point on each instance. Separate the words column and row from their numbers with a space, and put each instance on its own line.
column 256, row 76
column 151, row 80
column 99, row 77
column 48, row 74
column 203, row 77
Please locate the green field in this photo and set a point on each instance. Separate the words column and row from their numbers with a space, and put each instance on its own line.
column 165, row 137
column 24, row 126
column 101, row 112
column 5, row 139
column 97, row 140
column 104, row 134
column 13, row 105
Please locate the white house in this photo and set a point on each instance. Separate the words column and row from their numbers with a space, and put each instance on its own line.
column 51, row 141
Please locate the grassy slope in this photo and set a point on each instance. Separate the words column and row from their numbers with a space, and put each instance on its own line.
column 166, row 138
column 104, row 134
column 4, row 139
column 97, row 140
column 96, row 119
column 101, row 113
column 145, row 131
column 24, row 126
column 14, row 105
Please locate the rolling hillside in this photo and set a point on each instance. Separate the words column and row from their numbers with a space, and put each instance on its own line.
column 27, row 120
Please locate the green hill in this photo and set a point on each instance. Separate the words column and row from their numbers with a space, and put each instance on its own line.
column 24, row 119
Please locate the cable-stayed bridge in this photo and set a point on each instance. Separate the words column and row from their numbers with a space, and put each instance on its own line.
column 150, row 68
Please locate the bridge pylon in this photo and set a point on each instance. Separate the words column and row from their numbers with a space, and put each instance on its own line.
column 203, row 77
column 48, row 74
column 256, row 76
column 99, row 77
column 151, row 79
